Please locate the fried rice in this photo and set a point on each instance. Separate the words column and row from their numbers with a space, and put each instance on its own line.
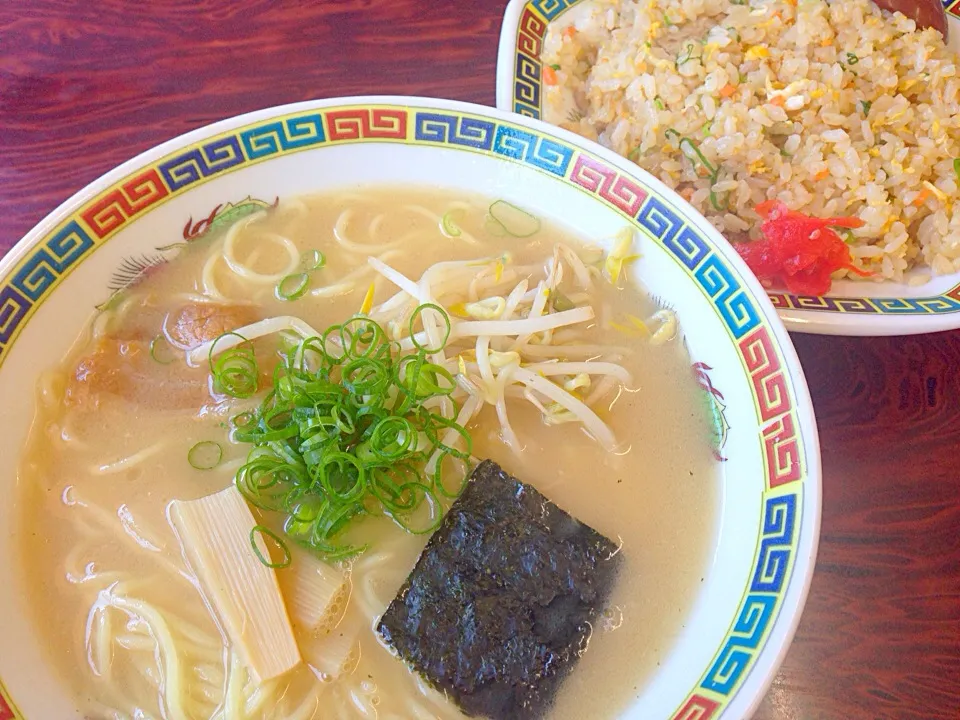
column 835, row 108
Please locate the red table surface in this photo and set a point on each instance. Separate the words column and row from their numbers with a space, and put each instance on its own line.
column 85, row 86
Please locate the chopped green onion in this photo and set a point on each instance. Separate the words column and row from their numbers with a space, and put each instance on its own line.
column 241, row 420
column 311, row 260
column 235, row 371
column 161, row 351
column 348, row 430
column 449, row 227
column 956, row 167
column 667, row 21
column 658, row 103
column 172, row 246
column 555, row 66
column 417, row 314
column 460, row 471
column 403, row 517
column 852, row 59
column 561, row 302
column 267, row 532
column 693, row 153
column 205, row 455
column 293, row 287
column 687, row 55
column 865, row 106
column 513, row 221
column 717, row 205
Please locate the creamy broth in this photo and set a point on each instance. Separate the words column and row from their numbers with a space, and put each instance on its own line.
column 105, row 569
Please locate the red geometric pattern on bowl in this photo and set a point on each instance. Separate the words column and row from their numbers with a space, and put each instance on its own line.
column 367, row 123
column 109, row 212
column 782, row 451
column 697, row 707
column 613, row 187
column 530, row 35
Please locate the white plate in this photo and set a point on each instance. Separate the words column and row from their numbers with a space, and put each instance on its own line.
column 768, row 518
column 850, row 308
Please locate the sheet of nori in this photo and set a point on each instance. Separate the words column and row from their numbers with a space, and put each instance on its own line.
column 496, row 611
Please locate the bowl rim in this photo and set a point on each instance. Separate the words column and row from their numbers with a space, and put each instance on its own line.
column 851, row 308
column 760, row 674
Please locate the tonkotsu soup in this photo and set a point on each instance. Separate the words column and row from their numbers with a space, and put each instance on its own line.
column 239, row 463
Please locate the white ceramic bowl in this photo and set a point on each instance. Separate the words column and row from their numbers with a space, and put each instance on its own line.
column 851, row 307
column 765, row 547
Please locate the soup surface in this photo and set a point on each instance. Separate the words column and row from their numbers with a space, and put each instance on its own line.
column 120, row 609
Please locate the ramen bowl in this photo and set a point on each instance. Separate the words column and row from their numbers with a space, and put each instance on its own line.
column 762, row 520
